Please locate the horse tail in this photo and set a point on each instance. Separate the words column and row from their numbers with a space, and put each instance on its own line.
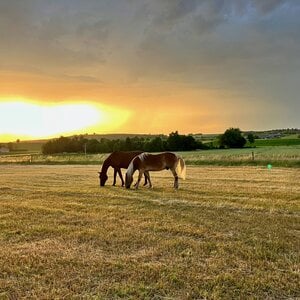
column 181, row 168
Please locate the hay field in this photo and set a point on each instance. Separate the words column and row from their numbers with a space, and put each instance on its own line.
column 228, row 232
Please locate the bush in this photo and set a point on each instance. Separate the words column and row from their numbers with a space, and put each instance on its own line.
column 232, row 138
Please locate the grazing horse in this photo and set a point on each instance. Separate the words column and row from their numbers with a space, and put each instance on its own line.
column 117, row 160
column 146, row 162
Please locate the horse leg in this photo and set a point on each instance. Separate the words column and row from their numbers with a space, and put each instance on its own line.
column 175, row 178
column 139, row 179
column 121, row 176
column 115, row 175
column 147, row 178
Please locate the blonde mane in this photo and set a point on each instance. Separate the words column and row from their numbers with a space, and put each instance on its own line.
column 142, row 156
column 130, row 167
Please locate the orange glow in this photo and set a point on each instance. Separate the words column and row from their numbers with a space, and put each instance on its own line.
column 28, row 119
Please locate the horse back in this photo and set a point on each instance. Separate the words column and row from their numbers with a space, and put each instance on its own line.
column 122, row 159
column 156, row 162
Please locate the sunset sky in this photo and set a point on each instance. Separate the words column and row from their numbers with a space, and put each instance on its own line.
column 147, row 66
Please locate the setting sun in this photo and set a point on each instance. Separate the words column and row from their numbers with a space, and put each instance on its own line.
column 32, row 120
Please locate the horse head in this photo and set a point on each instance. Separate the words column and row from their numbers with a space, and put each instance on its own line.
column 103, row 178
column 130, row 171
column 128, row 180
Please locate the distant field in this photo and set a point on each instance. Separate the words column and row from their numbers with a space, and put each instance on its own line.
column 28, row 146
column 227, row 233
column 277, row 142
column 288, row 156
column 291, row 136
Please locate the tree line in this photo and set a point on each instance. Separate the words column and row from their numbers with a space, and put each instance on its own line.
column 174, row 142
column 231, row 138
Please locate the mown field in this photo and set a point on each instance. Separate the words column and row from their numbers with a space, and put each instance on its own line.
column 227, row 233
column 280, row 156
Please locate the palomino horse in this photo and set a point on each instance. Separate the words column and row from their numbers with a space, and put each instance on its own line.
column 146, row 162
column 117, row 160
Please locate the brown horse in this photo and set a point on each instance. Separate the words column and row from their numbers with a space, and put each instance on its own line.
column 117, row 160
column 146, row 162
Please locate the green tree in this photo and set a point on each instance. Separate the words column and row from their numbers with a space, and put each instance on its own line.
column 232, row 138
column 177, row 142
column 155, row 145
column 173, row 141
column 93, row 146
column 250, row 138
column 128, row 144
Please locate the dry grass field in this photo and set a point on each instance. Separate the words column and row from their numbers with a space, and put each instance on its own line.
column 228, row 232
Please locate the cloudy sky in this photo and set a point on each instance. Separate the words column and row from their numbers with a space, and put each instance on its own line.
column 148, row 66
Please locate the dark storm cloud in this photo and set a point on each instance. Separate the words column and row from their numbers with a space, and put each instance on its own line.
column 218, row 31
column 267, row 6
column 70, row 33
column 165, row 14
column 51, row 34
